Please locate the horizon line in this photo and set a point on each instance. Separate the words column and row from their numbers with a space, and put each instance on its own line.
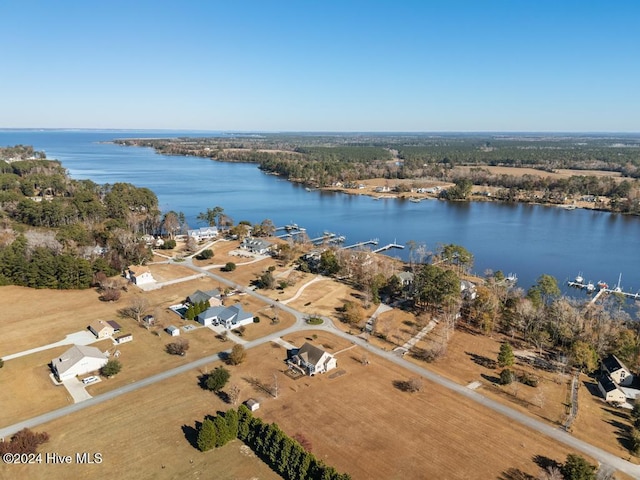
column 332, row 132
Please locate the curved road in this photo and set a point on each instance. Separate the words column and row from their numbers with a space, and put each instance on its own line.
column 539, row 426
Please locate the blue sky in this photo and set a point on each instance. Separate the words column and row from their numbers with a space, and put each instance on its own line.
column 331, row 65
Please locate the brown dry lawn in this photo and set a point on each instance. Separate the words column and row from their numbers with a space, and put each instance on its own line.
column 356, row 420
column 556, row 174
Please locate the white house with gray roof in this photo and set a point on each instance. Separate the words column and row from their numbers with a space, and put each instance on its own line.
column 228, row 317
column 256, row 245
column 78, row 360
column 203, row 233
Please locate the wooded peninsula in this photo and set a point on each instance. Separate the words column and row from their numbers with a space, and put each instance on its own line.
column 590, row 171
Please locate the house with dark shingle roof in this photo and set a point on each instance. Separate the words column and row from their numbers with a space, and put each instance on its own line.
column 312, row 359
column 617, row 370
column 610, row 391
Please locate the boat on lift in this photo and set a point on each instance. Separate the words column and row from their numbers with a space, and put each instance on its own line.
column 602, row 285
column 579, row 278
column 590, row 287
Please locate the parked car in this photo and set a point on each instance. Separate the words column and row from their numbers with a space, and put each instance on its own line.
column 90, row 380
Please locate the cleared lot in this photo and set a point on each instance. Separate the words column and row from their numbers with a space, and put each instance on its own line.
column 358, row 421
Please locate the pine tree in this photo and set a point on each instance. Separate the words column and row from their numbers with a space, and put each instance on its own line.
column 222, row 431
column 232, row 418
column 206, row 435
column 505, row 357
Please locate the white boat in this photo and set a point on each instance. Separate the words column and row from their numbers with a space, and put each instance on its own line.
column 590, row 287
column 579, row 278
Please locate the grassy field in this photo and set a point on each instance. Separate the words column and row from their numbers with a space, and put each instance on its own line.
column 355, row 419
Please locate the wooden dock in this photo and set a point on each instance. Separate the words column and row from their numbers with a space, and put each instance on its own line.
column 389, row 247
column 362, row 244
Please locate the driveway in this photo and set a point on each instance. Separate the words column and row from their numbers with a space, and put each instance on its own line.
column 76, row 389
column 83, row 337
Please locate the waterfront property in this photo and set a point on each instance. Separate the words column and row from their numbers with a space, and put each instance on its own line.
column 203, row 233
column 256, row 245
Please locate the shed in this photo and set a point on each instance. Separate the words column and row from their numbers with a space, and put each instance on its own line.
column 173, row 330
column 127, row 337
column 252, row 404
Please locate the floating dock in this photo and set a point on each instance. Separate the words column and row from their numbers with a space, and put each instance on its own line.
column 389, row 247
column 362, row 244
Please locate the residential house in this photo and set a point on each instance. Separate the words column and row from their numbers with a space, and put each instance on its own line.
column 406, row 278
column 78, row 360
column 203, row 233
column 139, row 275
column 617, row 370
column 312, row 359
column 212, row 297
column 256, row 245
column 101, row 329
column 228, row 317
column 468, row 290
column 115, row 325
column 610, row 391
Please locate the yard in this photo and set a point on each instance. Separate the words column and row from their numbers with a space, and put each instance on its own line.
column 357, row 421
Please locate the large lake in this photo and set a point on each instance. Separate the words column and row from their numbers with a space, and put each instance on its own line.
column 525, row 239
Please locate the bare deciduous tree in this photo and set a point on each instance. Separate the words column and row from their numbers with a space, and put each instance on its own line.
column 234, row 394
column 137, row 309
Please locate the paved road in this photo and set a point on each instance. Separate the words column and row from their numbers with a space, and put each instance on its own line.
column 552, row 432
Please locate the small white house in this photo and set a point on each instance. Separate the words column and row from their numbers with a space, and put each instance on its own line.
column 618, row 371
column 78, row 360
column 139, row 275
column 101, row 329
column 610, row 391
column 173, row 331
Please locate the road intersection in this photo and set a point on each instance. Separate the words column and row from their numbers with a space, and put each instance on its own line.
column 301, row 325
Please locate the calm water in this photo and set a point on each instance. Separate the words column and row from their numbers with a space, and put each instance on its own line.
column 525, row 239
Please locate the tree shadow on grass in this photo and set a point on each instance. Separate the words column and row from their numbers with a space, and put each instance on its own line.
column 515, row 474
column 191, row 434
column 491, row 378
column 616, row 413
column 546, row 462
column 482, row 360
column 622, row 433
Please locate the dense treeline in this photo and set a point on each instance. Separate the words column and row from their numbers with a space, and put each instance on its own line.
column 56, row 232
column 325, row 160
column 283, row 454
